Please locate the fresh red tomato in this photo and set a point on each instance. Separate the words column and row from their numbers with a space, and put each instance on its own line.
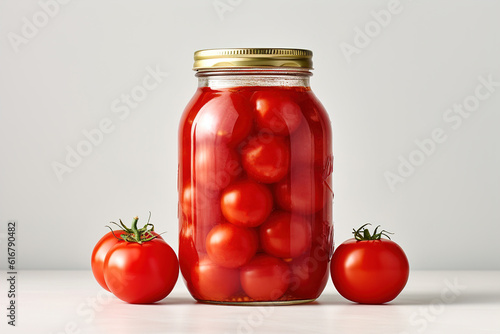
column 231, row 246
column 266, row 159
column 230, row 126
column 214, row 283
column 285, row 235
column 141, row 273
column 99, row 254
column 277, row 112
column 303, row 190
column 215, row 167
column 142, row 268
column 368, row 269
column 265, row 278
column 246, row 203
column 309, row 274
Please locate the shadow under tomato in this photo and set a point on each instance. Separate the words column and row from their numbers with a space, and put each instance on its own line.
column 463, row 298
column 176, row 301
column 420, row 299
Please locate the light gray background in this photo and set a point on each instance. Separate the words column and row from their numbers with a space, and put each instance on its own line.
column 393, row 92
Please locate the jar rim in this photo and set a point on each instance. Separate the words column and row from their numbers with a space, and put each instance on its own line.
column 252, row 58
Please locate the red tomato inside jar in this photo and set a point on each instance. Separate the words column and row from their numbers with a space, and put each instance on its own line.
column 255, row 180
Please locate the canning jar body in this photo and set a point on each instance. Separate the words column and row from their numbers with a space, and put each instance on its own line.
column 255, row 189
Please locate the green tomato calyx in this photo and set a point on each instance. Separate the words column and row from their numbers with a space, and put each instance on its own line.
column 363, row 233
column 134, row 234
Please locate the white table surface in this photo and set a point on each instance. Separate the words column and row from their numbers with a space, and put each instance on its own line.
column 56, row 302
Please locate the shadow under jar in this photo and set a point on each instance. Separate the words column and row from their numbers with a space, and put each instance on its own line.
column 255, row 180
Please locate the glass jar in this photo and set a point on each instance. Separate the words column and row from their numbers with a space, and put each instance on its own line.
column 255, row 180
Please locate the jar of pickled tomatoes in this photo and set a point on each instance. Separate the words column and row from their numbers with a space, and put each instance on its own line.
column 255, row 180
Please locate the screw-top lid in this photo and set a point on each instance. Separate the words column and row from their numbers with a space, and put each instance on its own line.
column 252, row 57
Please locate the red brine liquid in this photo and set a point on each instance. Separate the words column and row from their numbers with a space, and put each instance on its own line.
column 255, row 195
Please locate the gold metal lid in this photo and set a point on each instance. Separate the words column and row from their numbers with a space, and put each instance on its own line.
column 252, row 57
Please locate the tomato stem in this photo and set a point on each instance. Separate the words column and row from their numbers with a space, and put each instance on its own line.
column 134, row 234
column 363, row 233
column 113, row 232
column 137, row 234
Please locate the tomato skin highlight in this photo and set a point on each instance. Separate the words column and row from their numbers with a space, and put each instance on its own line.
column 265, row 278
column 229, row 127
column 141, row 273
column 285, row 235
column 231, row 246
column 266, row 159
column 99, row 254
column 369, row 271
column 246, row 203
column 277, row 112
column 186, row 200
